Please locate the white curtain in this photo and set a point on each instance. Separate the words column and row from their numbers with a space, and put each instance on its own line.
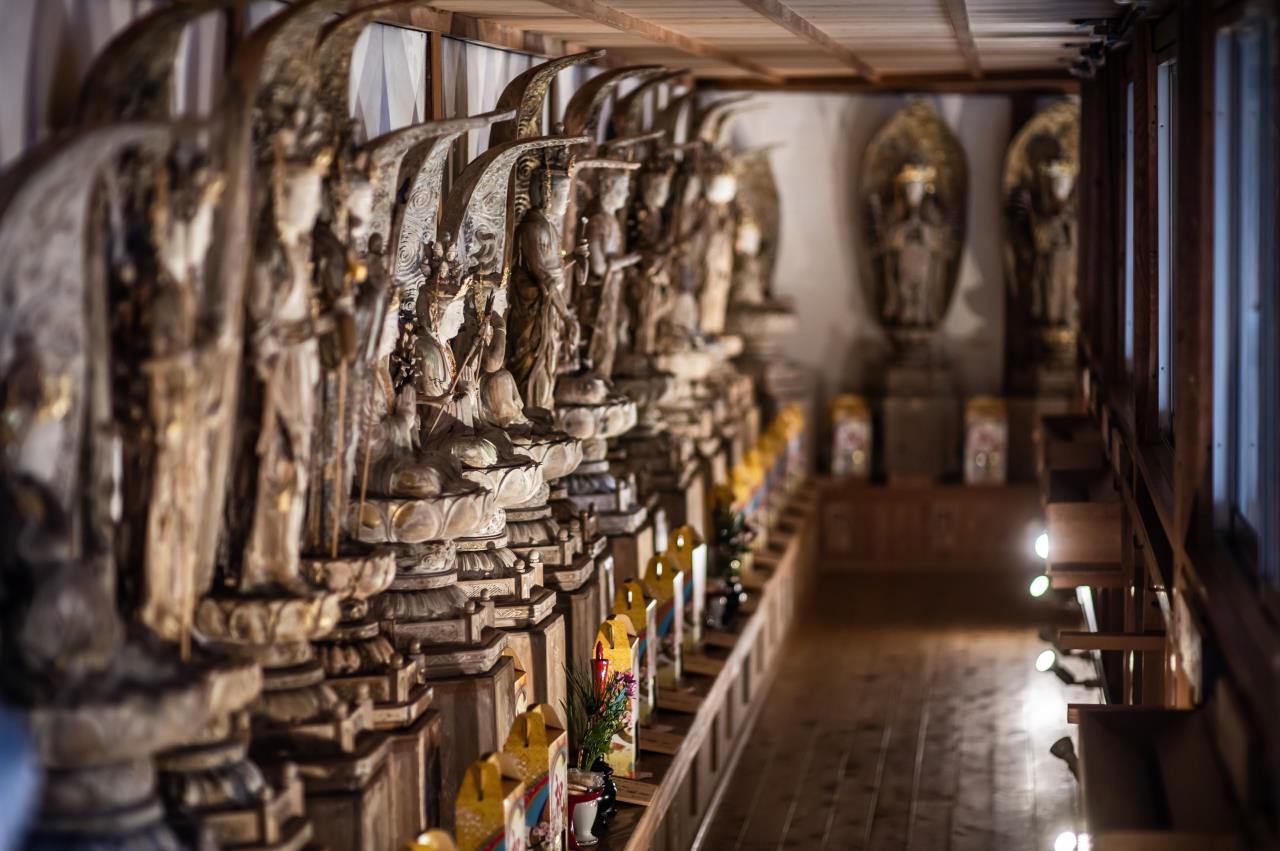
column 474, row 77
column 389, row 78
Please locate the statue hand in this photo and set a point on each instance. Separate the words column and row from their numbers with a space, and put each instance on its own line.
column 407, row 400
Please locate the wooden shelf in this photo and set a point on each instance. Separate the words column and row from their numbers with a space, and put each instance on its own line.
column 1150, row 779
column 692, row 742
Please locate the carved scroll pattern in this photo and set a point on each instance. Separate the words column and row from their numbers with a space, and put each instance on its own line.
column 527, row 94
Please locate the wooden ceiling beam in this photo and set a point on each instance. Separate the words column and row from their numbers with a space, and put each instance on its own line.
column 958, row 14
column 784, row 16
column 1034, row 80
column 623, row 22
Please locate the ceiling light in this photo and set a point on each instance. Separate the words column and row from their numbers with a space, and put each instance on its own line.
column 1065, row 750
column 1066, row 841
column 1039, row 586
column 1048, row 661
column 1042, row 545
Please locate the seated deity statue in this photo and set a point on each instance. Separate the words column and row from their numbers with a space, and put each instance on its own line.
column 397, row 465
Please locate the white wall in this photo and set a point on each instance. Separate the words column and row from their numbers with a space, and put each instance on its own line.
column 821, row 262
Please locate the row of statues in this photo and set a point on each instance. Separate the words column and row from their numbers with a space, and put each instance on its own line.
column 314, row 469
column 915, row 194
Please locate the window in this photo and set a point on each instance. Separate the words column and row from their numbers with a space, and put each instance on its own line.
column 1128, row 230
column 1244, row 295
column 1166, row 189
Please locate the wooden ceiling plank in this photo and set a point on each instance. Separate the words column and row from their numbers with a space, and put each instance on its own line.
column 619, row 20
column 784, row 16
column 483, row 30
column 958, row 14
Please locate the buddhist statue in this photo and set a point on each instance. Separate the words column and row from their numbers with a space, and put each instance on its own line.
column 1040, row 248
column 914, row 193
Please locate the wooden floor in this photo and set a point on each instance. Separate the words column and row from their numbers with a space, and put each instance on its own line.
column 908, row 714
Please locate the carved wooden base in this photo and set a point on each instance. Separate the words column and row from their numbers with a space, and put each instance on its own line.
column 584, row 609
column 476, row 712
column 102, row 807
column 686, row 501
column 413, row 766
column 216, row 790
column 921, row 437
column 349, row 796
column 631, row 552
column 542, row 648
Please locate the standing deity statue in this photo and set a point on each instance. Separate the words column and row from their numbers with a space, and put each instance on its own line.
column 1040, row 244
column 599, row 301
column 914, row 194
column 1040, row 203
column 399, row 465
column 915, row 250
column 649, row 285
column 1053, row 277
column 281, row 393
column 543, row 328
column 748, row 272
column 720, row 186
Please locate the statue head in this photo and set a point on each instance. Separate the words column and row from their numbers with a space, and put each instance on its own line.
column 655, row 187
column 183, row 212
column 549, row 191
column 1060, row 177
column 442, row 300
column 722, row 187
column 295, row 147
column 297, row 192
column 453, row 313
column 914, row 181
column 615, row 186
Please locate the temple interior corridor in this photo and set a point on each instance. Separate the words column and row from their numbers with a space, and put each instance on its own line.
column 639, row 425
column 908, row 713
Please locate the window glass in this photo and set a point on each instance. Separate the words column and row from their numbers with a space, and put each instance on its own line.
column 1166, row 189
column 1128, row 230
column 1244, row 293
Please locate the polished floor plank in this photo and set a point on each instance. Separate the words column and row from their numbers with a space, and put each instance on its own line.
column 907, row 714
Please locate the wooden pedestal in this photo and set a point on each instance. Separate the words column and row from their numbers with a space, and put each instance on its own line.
column 631, row 552
column 476, row 713
column 349, row 797
column 1083, row 514
column 1150, row 779
column 543, row 650
column 414, row 769
column 583, row 611
column 921, row 437
column 687, row 503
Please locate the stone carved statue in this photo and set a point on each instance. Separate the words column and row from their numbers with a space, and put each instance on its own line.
column 1040, row 203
